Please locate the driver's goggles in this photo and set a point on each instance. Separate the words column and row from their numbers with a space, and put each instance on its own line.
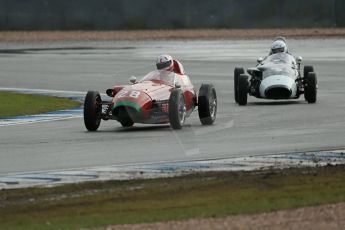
column 163, row 65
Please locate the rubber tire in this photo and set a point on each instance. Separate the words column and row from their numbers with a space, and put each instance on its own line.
column 174, row 100
column 205, row 92
column 242, row 89
column 92, row 110
column 310, row 88
column 307, row 69
column 237, row 73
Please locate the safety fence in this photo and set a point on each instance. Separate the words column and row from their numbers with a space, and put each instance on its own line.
column 157, row 14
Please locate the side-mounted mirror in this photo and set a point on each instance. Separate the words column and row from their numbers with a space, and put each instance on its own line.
column 133, row 79
column 110, row 92
column 259, row 60
column 299, row 59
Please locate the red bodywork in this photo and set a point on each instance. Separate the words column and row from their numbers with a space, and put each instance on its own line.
column 147, row 101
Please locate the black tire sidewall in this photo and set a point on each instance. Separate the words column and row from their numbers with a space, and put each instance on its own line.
column 174, row 100
column 237, row 73
column 242, row 89
column 307, row 69
column 204, row 104
column 92, row 111
column 310, row 90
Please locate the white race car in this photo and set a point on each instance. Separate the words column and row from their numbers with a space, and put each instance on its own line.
column 276, row 77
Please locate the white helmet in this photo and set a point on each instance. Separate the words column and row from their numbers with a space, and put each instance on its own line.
column 278, row 46
column 280, row 38
column 164, row 62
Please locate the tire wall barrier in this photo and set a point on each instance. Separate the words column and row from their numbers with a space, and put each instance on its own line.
column 157, row 14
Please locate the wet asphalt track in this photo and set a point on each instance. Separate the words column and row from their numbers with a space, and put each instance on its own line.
column 261, row 127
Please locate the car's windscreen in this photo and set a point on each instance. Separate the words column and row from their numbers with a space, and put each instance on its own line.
column 285, row 70
column 167, row 77
column 278, row 64
column 279, row 58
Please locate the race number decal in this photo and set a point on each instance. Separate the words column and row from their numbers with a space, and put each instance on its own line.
column 134, row 94
column 124, row 93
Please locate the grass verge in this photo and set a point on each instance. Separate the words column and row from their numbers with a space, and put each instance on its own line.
column 14, row 104
column 200, row 195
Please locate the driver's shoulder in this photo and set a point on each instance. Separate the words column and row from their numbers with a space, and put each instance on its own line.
column 178, row 67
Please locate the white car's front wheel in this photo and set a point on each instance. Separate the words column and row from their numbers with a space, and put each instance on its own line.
column 242, row 90
column 237, row 73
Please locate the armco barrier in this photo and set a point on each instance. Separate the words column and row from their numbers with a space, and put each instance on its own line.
column 154, row 14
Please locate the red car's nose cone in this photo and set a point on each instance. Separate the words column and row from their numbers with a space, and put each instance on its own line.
column 135, row 101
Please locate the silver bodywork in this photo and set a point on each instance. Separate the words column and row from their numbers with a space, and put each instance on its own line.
column 279, row 73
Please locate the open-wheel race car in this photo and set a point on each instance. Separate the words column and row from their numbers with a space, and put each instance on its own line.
column 160, row 97
column 276, row 77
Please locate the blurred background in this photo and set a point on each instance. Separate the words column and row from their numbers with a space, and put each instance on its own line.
column 177, row 14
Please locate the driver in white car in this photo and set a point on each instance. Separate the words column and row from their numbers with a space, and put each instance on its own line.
column 279, row 46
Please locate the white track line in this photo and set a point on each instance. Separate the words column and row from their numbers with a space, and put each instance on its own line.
column 45, row 117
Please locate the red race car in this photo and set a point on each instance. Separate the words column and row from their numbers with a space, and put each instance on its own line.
column 160, row 97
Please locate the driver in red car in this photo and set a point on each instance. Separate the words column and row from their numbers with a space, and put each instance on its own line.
column 167, row 63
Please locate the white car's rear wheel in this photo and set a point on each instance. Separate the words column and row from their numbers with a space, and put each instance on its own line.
column 310, row 88
column 307, row 69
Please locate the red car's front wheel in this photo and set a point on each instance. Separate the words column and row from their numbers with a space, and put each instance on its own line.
column 92, row 110
column 177, row 109
column 207, row 104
